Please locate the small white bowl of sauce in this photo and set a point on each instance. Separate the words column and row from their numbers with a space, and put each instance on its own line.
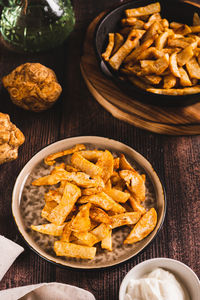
column 160, row 278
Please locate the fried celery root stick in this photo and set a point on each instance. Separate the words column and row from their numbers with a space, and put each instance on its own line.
column 73, row 250
column 143, row 228
column 50, row 159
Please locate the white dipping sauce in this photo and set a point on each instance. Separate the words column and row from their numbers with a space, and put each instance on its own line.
column 157, row 285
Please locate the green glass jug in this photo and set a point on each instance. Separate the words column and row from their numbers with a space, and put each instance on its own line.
column 35, row 25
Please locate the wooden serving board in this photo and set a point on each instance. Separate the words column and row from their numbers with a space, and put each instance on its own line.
column 171, row 121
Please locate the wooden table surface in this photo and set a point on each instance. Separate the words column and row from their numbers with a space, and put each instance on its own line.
column 175, row 158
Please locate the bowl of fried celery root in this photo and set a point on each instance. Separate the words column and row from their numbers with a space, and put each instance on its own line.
column 88, row 202
column 152, row 51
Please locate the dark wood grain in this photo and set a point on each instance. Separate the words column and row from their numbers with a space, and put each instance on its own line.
column 176, row 159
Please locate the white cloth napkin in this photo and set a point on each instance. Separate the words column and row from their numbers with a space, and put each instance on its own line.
column 46, row 291
column 9, row 251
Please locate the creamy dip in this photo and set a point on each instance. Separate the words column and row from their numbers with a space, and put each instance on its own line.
column 157, row 285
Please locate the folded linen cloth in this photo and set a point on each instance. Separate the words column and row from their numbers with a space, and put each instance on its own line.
column 46, row 291
column 9, row 251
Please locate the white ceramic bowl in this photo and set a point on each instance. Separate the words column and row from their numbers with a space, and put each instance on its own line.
column 183, row 273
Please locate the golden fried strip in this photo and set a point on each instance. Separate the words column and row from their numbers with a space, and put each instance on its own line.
column 135, row 183
column 127, row 218
column 99, row 215
column 180, row 43
column 80, row 178
column 104, row 201
column 100, row 199
column 116, row 60
column 142, row 11
column 106, row 242
column 50, row 179
column 117, row 195
column 67, row 231
column 82, row 220
column 50, row 160
column 51, row 229
column 175, row 25
column 169, row 81
column 86, row 238
column 152, row 19
column 101, row 231
column 193, row 68
column 139, row 24
column 184, row 56
column 81, row 163
column 143, row 228
column 184, row 91
column 138, row 51
column 91, row 191
column 129, row 21
column 73, row 250
column 173, row 65
column 155, row 67
column 161, row 40
column 184, row 79
column 91, row 155
column 150, row 53
column 106, row 55
column 59, row 214
column 124, row 164
column 106, row 164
